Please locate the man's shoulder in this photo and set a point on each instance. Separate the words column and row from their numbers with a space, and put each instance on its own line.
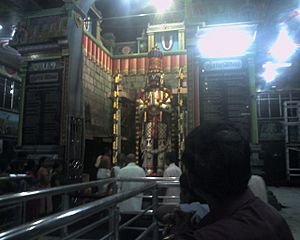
column 246, row 224
column 174, row 166
column 130, row 168
column 124, row 169
column 141, row 171
column 173, row 170
column 223, row 230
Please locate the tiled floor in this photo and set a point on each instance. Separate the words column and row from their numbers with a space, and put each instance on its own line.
column 290, row 197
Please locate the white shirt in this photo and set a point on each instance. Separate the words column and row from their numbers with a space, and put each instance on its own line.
column 134, row 203
column 103, row 173
column 173, row 171
column 115, row 171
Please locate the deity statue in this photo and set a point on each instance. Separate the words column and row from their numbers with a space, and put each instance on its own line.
column 154, row 111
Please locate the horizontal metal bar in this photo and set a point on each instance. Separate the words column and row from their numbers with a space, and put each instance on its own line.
column 59, row 220
column 168, row 203
column 86, row 228
column 25, row 196
column 169, row 184
column 293, row 149
column 15, row 177
column 135, row 217
column 150, row 228
column 148, row 212
column 161, row 197
column 168, row 197
column 136, row 228
column 7, row 208
column 29, row 195
column 107, row 236
column 147, row 179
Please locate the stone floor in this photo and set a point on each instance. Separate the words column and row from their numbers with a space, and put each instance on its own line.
column 290, row 198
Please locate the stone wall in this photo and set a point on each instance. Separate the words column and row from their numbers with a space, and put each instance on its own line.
column 97, row 87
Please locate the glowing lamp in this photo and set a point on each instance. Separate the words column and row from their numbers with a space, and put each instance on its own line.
column 284, row 46
column 271, row 68
column 270, row 74
column 225, row 41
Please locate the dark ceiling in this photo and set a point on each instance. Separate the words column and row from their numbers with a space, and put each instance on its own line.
column 120, row 17
column 266, row 12
column 11, row 11
column 128, row 28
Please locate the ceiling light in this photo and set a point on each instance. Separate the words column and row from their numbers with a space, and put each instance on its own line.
column 277, row 65
column 162, row 6
column 226, row 41
column 284, row 46
column 270, row 74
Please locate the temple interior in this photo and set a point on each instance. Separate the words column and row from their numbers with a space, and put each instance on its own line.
column 80, row 79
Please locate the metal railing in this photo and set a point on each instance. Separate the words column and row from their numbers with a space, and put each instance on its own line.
column 60, row 220
column 15, row 177
column 30, row 195
column 66, row 218
column 162, row 183
column 15, row 205
column 10, row 216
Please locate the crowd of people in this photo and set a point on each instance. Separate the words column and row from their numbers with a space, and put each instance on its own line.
column 216, row 189
column 126, row 167
column 219, row 197
column 40, row 175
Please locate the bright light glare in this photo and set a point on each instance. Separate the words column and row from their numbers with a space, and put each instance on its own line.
column 271, row 70
column 284, row 47
column 270, row 74
column 221, row 42
column 13, row 32
column 276, row 65
column 1, row 27
column 162, row 5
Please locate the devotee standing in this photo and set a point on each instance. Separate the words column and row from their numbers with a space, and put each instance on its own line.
column 172, row 171
column 43, row 178
column 131, row 170
column 103, row 164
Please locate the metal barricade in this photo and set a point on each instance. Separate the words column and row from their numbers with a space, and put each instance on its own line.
column 63, row 221
column 12, row 215
column 157, row 199
column 18, row 201
column 60, row 220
